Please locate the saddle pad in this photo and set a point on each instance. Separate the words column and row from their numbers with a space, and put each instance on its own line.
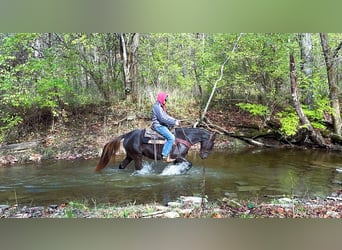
column 153, row 137
column 150, row 133
column 156, row 141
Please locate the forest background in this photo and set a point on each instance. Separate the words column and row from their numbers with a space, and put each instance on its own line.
column 51, row 82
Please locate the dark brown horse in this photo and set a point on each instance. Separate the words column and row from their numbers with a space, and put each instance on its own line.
column 136, row 146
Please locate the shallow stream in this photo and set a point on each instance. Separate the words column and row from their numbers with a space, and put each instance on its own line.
column 248, row 174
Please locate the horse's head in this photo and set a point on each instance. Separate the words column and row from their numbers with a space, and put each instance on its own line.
column 207, row 145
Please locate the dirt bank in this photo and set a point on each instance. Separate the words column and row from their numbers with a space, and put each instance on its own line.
column 83, row 140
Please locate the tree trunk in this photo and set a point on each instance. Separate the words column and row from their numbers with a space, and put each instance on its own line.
column 129, row 49
column 316, row 137
column 329, row 58
column 306, row 55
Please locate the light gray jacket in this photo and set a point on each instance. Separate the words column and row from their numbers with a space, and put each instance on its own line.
column 160, row 117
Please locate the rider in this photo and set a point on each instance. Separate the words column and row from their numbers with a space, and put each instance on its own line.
column 162, row 123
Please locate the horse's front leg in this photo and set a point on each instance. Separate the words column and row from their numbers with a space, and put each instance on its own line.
column 125, row 162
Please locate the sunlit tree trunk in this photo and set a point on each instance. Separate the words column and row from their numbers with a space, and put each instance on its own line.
column 306, row 55
column 330, row 57
column 129, row 53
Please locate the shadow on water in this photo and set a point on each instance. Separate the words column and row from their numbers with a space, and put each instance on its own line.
column 247, row 174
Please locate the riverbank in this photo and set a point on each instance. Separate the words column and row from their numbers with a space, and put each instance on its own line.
column 187, row 207
column 83, row 140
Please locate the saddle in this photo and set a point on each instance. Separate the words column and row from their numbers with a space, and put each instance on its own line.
column 153, row 137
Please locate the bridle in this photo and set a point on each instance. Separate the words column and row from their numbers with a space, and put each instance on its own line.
column 187, row 142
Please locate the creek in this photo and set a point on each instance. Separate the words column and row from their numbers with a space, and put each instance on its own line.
column 243, row 174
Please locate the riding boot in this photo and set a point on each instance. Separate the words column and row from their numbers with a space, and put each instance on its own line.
column 167, row 159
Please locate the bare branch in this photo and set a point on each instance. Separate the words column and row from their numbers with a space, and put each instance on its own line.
column 219, row 79
column 337, row 49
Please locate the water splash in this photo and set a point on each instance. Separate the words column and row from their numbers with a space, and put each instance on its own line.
column 147, row 169
column 171, row 169
column 176, row 169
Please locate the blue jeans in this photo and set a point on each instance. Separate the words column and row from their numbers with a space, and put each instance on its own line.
column 170, row 138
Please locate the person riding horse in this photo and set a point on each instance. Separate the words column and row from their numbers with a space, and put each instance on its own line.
column 136, row 148
column 162, row 123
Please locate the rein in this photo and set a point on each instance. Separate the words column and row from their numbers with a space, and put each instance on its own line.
column 185, row 142
column 189, row 143
column 186, row 137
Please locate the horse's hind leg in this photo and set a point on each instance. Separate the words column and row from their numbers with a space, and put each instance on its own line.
column 125, row 162
column 138, row 162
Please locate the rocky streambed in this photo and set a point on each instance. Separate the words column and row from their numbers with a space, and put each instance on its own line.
column 187, row 207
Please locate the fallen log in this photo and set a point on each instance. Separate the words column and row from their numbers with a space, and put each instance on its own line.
column 336, row 138
column 250, row 141
column 21, row 146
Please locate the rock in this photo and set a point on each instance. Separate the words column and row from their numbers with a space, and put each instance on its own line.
column 161, row 208
column 333, row 214
column 185, row 211
column 285, row 200
column 232, row 203
column 171, row 215
column 174, row 204
column 193, row 200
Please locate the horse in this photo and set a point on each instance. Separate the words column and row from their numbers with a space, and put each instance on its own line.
column 138, row 144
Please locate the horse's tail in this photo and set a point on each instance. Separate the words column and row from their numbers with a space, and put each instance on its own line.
column 109, row 151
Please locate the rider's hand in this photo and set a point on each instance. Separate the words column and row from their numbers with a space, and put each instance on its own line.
column 177, row 123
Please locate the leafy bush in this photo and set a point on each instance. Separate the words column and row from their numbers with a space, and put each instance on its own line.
column 254, row 109
column 289, row 121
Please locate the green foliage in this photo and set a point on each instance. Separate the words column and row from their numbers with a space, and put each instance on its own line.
column 316, row 114
column 74, row 208
column 289, row 121
column 9, row 121
column 254, row 109
column 30, row 82
column 52, row 70
column 169, row 59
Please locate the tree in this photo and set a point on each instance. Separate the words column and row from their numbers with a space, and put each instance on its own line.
column 129, row 54
column 218, row 79
column 314, row 135
column 306, row 54
column 331, row 67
